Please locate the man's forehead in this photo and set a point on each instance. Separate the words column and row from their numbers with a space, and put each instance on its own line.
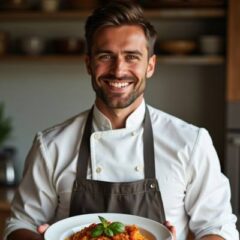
column 109, row 31
column 131, row 37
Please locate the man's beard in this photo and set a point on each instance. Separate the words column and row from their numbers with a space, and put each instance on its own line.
column 115, row 100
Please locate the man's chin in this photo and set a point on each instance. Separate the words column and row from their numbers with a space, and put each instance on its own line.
column 118, row 105
column 117, row 101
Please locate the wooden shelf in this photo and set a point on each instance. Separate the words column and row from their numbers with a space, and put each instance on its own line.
column 11, row 16
column 68, row 15
column 41, row 58
column 192, row 60
column 187, row 13
column 166, row 59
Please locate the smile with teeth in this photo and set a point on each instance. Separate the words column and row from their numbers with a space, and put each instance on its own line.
column 119, row 84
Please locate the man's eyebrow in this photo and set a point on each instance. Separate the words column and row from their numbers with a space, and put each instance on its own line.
column 135, row 52
column 102, row 51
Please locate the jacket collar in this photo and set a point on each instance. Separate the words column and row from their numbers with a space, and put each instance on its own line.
column 134, row 120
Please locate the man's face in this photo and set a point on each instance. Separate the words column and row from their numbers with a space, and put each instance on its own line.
column 119, row 65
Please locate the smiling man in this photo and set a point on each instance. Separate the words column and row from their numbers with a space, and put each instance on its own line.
column 122, row 155
column 119, row 64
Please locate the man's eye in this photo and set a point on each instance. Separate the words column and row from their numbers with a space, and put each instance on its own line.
column 132, row 57
column 105, row 57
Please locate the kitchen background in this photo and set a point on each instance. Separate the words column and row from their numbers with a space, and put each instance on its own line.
column 43, row 79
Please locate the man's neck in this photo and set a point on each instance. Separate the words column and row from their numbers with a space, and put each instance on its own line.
column 118, row 116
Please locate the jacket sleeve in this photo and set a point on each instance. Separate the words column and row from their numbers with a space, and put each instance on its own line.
column 35, row 199
column 207, row 200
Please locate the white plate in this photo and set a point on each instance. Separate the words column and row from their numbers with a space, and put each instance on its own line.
column 66, row 227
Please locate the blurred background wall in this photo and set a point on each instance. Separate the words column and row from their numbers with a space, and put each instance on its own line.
column 40, row 93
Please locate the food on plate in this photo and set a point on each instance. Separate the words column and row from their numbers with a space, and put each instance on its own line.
column 108, row 231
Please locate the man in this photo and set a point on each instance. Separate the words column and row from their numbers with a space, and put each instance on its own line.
column 153, row 164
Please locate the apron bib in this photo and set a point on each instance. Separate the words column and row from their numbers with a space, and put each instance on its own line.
column 141, row 198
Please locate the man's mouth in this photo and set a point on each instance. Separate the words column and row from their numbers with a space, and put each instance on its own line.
column 118, row 84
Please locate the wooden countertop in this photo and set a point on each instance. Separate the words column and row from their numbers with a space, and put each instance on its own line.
column 6, row 196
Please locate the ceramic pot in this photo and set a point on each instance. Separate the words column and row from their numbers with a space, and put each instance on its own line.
column 32, row 45
column 211, row 44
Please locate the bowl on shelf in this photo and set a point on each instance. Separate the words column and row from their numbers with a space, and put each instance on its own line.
column 211, row 44
column 32, row 45
column 50, row 5
column 177, row 47
column 69, row 45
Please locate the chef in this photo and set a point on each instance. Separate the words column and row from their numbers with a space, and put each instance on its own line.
column 122, row 155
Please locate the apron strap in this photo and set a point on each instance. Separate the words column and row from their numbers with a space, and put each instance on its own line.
column 148, row 148
column 84, row 152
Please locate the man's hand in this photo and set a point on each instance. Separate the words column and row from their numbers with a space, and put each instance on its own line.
column 42, row 228
column 27, row 234
column 171, row 228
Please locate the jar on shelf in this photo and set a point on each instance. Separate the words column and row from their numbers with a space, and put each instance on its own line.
column 50, row 5
column 211, row 44
column 69, row 45
column 32, row 45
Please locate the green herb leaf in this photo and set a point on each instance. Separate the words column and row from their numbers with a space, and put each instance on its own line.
column 98, row 230
column 103, row 221
column 108, row 232
column 107, row 228
column 117, row 227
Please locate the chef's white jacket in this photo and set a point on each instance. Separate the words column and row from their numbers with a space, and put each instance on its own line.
column 195, row 193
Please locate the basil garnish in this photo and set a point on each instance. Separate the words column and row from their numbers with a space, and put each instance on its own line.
column 109, row 229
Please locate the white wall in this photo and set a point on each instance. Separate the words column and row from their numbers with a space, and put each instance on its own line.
column 38, row 96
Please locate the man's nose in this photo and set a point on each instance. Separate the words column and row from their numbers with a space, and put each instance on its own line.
column 119, row 67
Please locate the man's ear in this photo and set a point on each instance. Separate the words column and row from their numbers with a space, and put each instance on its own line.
column 88, row 64
column 151, row 66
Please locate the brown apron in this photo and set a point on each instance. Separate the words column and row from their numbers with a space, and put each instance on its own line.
column 141, row 198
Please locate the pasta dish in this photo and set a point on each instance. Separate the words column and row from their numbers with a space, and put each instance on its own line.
column 108, row 231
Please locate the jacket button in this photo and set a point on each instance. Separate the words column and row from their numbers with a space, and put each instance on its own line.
column 137, row 168
column 152, row 185
column 98, row 169
column 97, row 136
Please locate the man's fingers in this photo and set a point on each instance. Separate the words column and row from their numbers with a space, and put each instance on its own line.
column 171, row 228
column 42, row 228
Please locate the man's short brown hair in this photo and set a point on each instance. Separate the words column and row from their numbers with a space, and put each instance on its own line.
column 117, row 13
